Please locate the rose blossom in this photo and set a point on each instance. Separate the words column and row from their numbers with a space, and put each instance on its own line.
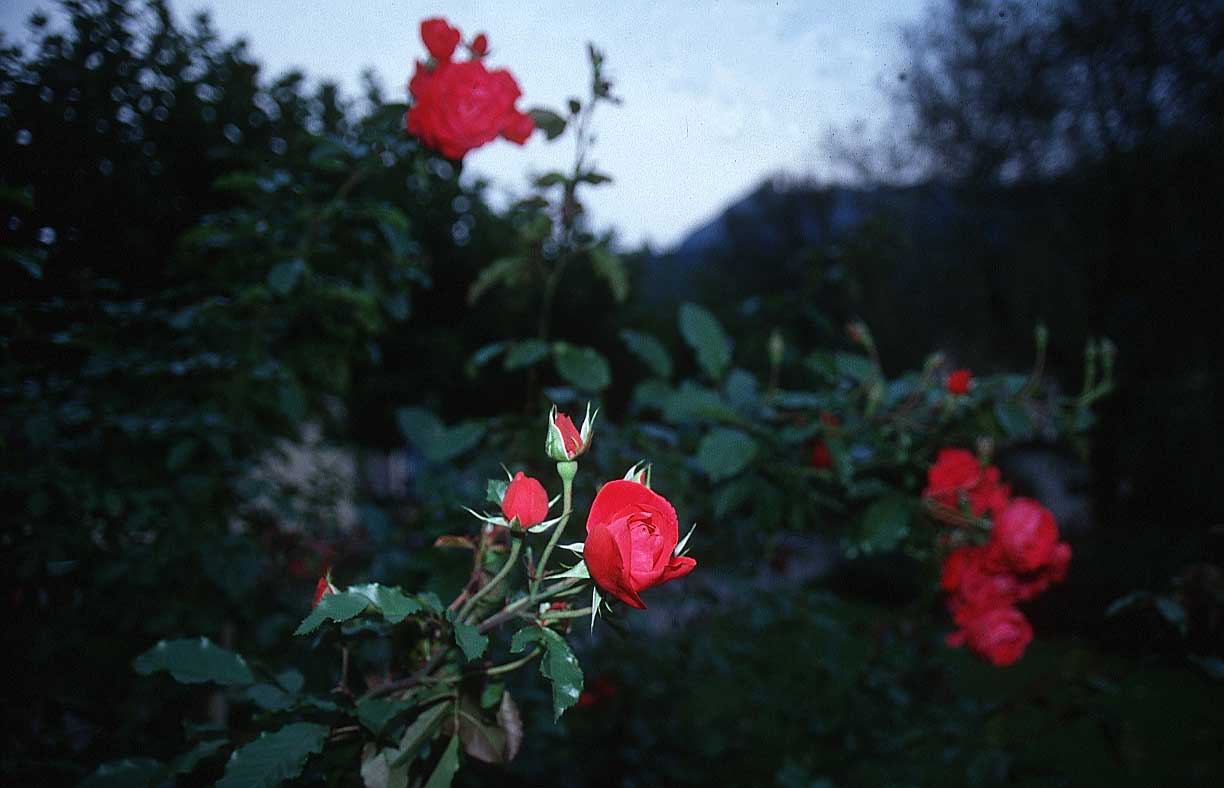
column 631, row 535
column 1026, row 534
column 959, row 382
column 999, row 636
column 958, row 472
column 460, row 106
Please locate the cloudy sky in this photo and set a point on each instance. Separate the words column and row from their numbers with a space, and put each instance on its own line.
column 717, row 95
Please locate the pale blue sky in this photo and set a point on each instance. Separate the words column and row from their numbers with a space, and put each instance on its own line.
column 718, row 94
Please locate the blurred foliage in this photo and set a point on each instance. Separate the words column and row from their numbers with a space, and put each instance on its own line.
column 248, row 329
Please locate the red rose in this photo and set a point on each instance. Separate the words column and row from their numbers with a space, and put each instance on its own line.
column 631, row 534
column 440, row 38
column 999, row 636
column 977, row 583
column 959, row 382
column 958, row 472
column 570, row 436
column 460, row 106
column 525, row 499
column 821, row 458
column 600, row 690
column 1053, row 572
column 480, row 45
column 1026, row 534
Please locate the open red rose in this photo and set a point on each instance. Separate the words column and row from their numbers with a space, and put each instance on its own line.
column 631, row 534
column 1055, row 571
column 959, row 382
column 525, row 499
column 1026, row 534
column 460, row 106
column 999, row 636
column 977, row 582
column 958, row 472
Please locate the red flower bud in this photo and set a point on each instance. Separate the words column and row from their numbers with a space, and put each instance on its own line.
column 480, row 45
column 525, row 499
column 821, row 457
column 322, row 589
column 570, row 436
column 440, row 38
column 959, row 382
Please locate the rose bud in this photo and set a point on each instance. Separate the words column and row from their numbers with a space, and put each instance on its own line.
column 566, row 442
column 322, row 589
column 1026, row 534
column 480, row 45
column 999, row 636
column 525, row 501
column 959, row 382
column 440, row 38
column 821, row 457
column 632, row 533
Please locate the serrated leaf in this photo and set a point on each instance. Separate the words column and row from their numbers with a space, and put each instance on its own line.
column 393, row 603
column 333, row 607
column 558, row 664
column 274, row 757
column 650, row 351
column 547, row 121
column 126, row 773
column 501, row 271
column 376, row 713
column 195, row 661
column 470, row 640
column 611, row 269
column 284, row 276
column 724, row 452
column 705, row 335
column 582, row 367
column 525, row 353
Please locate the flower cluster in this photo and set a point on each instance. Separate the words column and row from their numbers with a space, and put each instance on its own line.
column 459, row 106
column 1022, row 558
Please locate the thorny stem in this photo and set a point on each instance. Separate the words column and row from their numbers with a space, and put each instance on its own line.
column 516, row 544
column 411, row 681
column 553, row 615
column 514, row 608
column 567, row 496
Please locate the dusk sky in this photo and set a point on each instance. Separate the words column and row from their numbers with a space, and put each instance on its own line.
column 717, row 96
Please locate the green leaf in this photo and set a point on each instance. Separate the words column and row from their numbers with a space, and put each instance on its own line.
column 195, row 661
column 691, row 401
column 333, row 607
column 376, row 713
column 444, row 772
column 851, row 365
column 1013, row 419
column 393, row 603
column 558, row 664
column 1172, row 611
column 377, row 771
column 284, row 276
column 741, row 388
column 421, row 730
column 547, row 121
column 725, row 452
column 275, row 757
column 180, row 454
column 270, row 697
column 485, row 354
column 501, row 271
column 550, row 179
column 495, row 490
column 127, row 773
column 526, row 353
column 650, row 351
column 470, row 640
column 705, row 335
column 582, row 367
column 186, row 763
column 611, row 269
column 885, row 523
column 594, row 178
column 435, row 440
